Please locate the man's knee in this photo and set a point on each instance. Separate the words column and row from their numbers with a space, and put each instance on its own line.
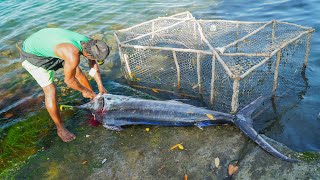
column 49, row 90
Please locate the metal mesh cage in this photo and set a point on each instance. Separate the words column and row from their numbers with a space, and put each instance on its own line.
column 226, row 63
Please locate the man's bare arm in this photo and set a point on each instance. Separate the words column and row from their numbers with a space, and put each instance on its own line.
column 71, row 56
column 97, row 76
column 83, row 80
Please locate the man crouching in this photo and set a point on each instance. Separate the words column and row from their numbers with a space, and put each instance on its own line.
column 53, row 48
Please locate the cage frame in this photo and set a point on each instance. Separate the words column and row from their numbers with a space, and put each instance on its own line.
column 215, row 52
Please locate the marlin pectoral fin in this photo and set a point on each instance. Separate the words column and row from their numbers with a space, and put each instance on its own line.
column 210, row 122
column 199, row 125
column 116, row 124
column 113, row 128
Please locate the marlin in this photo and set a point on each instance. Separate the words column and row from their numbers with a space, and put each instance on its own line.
column 116, row 111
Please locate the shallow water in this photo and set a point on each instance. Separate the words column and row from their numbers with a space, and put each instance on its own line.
column 297, row 127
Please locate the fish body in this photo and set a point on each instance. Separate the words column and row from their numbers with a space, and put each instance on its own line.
column 116, row 111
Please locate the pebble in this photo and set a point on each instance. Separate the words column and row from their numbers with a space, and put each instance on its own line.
column 103, row 161
column 217, row 162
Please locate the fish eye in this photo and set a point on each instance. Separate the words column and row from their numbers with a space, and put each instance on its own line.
column 108, row 98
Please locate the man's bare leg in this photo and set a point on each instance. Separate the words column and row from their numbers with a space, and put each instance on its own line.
column 51, row 105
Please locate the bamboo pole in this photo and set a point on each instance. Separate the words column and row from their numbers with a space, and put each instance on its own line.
column 161, row 29
column 152, row 30
column 202, row 36
column 273, row 32
column 273, row 53
column 186, row 12
column 194, row 50
column 307, row 50
column 172, row 18
column 214, row 51
column 156, row 19
column 162, row 90
column 246, row 54
column 230, row 21
column 237, row 35
column 235, row 96
column 199, row 73
column 117, row 39
column 254, row 22
column 166, row 48
column 223, row 64
column 213, row 69
column 121, row 54
column 177, row 67
column 127, row 65
column 189, row 14
column 296, row 25
column 276, row 72
column 222, row 49
column 195, row 32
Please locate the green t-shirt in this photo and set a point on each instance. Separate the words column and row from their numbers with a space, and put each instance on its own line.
column 43, row 42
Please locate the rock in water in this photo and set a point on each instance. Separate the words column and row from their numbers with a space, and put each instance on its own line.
column 97, row 36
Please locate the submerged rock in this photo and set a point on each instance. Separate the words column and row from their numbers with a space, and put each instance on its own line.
column 116, row 26
column 52, row 25
column 97, row 36
column 6, row 53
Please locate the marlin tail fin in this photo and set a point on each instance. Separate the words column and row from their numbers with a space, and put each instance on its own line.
column 244, row 122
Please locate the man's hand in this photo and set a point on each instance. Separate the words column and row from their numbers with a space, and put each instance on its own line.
column 102, row 90
column 88, row 94
column 97, row 77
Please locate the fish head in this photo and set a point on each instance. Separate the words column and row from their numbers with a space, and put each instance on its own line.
column 105, row 102
column 112, row 101
column 97, row 104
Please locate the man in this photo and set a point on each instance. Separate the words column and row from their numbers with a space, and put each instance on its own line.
column 52, row 48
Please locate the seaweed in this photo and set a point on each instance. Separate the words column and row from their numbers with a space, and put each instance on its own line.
column 23, row 140
column 309, row 156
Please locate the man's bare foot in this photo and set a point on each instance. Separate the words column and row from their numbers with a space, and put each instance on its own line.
column 65, row 135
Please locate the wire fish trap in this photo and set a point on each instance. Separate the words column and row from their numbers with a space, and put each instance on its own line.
column 226, row 63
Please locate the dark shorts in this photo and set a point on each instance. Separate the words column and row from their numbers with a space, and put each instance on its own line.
column 48, row 63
